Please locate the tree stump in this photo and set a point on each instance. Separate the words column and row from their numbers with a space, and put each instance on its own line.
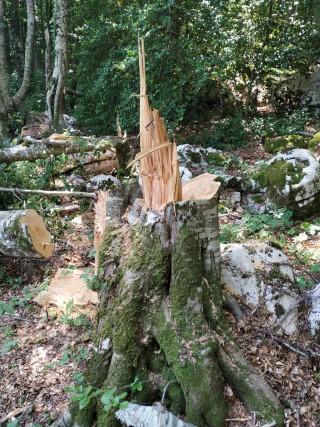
column 23, row 233
column 162, row 313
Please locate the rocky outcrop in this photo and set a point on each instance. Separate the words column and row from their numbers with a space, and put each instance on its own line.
column 292, row 180
column 262, row 275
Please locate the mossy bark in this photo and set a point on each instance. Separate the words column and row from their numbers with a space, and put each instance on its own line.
column 161, row 311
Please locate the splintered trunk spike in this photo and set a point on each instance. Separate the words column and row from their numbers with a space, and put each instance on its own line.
column 159, row 165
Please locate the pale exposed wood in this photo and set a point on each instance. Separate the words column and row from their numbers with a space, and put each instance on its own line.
column 100, row 209
column 69, row 292
column 202, row 187
column 52, row 193
column 159, row 169
column 23, row 233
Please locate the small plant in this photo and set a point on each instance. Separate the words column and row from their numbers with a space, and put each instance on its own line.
column 303, row 283
column 8, row 346
column 275, row 220
column 229, row 233
column 6, row 307
column 112, row 398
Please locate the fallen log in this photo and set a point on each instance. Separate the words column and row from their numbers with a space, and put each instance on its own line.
column 32, row 149
column 23, row 233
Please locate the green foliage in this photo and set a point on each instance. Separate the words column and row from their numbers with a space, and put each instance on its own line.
column 7, row 346
column 229, row 233
column 82, row 394
column 68, row 317
column 228, row 132
column 277, row 220
column 275, row 145
column 273, row 125
column 111, row 398
column 303, row 283
column 264, row 226
column 199, row 56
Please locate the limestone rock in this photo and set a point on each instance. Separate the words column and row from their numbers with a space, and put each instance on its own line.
column 149, row 416
column 191, row 156
column 292, row 180
column 185, row 174
column 262, row 275
column 102, row 181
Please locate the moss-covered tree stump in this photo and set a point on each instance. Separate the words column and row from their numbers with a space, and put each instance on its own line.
column 161, row 313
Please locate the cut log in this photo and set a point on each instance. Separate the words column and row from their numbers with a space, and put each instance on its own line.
column 23, row 233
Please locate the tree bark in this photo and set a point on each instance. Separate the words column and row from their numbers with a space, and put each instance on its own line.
column 33, row 149
column 161, row 311
column 24, row 234
column 55, row 95
column 10, row 104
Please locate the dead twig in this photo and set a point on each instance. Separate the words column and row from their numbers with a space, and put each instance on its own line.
column 290, row 347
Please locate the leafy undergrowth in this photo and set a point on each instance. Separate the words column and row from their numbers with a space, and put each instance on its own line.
column 41, row 356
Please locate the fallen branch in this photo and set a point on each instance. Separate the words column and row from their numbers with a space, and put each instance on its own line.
column 76, row 194
column 280, row 341
column 32, row 149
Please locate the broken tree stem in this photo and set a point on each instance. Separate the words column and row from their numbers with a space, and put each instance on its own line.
column 32, row 149
column 76, row 194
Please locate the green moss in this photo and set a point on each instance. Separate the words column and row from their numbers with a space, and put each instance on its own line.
column 273, row 176
column 258, row 198
column 246, row 385
column 216, row 159
column 314, row 142
column 195, row 157
column 283, row 143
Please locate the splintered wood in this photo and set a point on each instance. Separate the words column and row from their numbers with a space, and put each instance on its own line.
column 100, row 209
column 160, row 176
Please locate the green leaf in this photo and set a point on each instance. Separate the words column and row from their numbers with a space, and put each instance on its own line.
column 124, row 404
column 8, row 345
column 315, row 268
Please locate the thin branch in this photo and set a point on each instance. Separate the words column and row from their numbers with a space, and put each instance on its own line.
column 290, row 347
column 77, row 194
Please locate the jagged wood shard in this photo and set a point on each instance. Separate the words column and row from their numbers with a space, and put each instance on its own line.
column 23, row 233
column 159, row 165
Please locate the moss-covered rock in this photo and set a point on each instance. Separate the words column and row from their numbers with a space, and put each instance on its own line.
column 284, row 143
column 292, row 180
column 314, row 142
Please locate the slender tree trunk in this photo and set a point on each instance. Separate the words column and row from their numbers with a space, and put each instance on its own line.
column 10, row 104
column 55, row 93
column 161, row 314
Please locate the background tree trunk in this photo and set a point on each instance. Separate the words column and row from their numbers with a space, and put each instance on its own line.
column 161, row 313
column 10, row 104
column 55, row 93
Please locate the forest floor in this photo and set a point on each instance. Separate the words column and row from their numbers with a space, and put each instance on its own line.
column 42, row 353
